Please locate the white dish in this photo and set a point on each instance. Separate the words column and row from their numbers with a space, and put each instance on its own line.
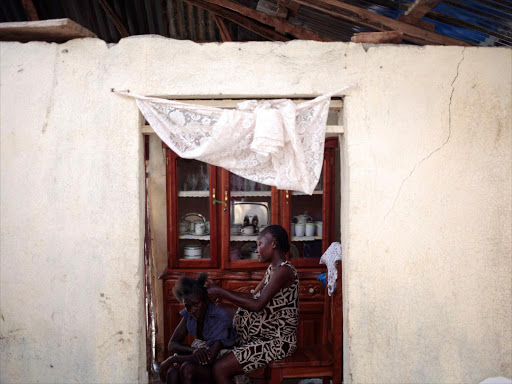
column 192, row 257
column 195, row 234
column 192, row 252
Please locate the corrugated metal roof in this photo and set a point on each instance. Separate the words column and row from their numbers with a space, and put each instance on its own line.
column 479, row 22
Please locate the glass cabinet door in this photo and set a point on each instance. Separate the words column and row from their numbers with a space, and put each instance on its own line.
column 191, row 213
column 248, row 207
column 309, row 219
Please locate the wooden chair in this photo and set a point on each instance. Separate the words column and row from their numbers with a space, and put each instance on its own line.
column 323, row 360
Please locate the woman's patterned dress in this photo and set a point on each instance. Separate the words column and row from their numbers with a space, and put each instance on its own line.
column 270, row 334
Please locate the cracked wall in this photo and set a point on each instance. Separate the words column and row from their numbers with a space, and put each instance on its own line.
column 428, row 267
column 426, row 182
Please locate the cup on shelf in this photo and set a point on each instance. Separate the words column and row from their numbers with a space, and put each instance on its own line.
column 248, row 230
column 300, row 229
column 310, row 229
column 183, row 227
column 207, row 224
column 318, row 228
column 235, row 229
column 200, row 228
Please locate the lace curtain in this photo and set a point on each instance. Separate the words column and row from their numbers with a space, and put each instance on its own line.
column 273, row 142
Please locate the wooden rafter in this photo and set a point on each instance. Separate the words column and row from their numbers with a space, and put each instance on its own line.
column 370, row 19
column 416, row 11
column 271, row 21
column 389, row 37
column 54, row 30
column 241, row 20
column 30, row 10
column 420, row 8
column 287, row 8
column 224, row 32
column 114, row 18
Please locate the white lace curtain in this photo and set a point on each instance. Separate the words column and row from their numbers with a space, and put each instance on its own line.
column 274, row 142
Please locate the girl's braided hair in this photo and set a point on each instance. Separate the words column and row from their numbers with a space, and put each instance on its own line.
column 187, row 287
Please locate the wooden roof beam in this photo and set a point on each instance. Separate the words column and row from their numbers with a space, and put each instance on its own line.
column 114, row 18
column 420, row 8
column 245, row 22
column 416, row 11
column 370, row 19
column 389, row 37
column 30, row 10
column 271, row 21
column 224, row 32
column 287, row 8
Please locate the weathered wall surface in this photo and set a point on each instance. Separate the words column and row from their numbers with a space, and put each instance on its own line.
column 426, row 206
column 428, row 274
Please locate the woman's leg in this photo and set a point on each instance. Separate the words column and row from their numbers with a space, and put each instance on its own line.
column 193, row 373
column 225, row 368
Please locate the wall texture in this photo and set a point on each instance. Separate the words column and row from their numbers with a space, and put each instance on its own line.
column 426, row 204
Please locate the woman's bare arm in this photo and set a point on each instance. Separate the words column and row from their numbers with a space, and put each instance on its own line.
column 282, row 278
column 259, row 287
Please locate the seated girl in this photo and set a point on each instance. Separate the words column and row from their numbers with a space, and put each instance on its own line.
column 211, row 326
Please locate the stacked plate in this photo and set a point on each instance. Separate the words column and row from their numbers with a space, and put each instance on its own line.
column 192, row 252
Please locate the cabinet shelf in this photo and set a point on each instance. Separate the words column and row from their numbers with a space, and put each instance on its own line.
column 244, row 237
column 295, row 193
column 306, row 238
column 195, row 237
column 193, row 193
column 250, row 193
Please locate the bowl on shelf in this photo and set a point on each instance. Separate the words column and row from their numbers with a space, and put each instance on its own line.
column 192, row 252
column 254, row 256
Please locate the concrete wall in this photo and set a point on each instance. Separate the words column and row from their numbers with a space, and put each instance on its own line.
column 428, row 274
column 426, row 205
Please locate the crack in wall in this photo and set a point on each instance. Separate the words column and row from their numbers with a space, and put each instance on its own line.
column 49, row 108
column 417, row 165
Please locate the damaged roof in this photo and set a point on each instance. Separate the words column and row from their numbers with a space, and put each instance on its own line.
column 449, row 22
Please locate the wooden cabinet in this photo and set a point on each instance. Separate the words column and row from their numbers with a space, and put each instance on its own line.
column 206, row 208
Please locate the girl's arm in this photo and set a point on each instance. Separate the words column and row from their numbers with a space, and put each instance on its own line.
column 200, row 356
column 282, row 278
column 175, row 344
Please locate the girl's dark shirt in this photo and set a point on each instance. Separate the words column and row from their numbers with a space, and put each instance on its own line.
column 218, row 326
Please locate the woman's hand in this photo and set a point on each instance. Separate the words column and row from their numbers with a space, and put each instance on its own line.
column 202, row 356
column 214, row 293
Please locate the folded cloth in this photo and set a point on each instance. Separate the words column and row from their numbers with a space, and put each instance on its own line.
column 268, row 130
column 329, row 258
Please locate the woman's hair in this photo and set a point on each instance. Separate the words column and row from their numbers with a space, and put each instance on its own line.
column 187, row 287
column 280, row 236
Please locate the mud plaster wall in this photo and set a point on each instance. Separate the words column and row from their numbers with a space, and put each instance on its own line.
column 426, row 202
